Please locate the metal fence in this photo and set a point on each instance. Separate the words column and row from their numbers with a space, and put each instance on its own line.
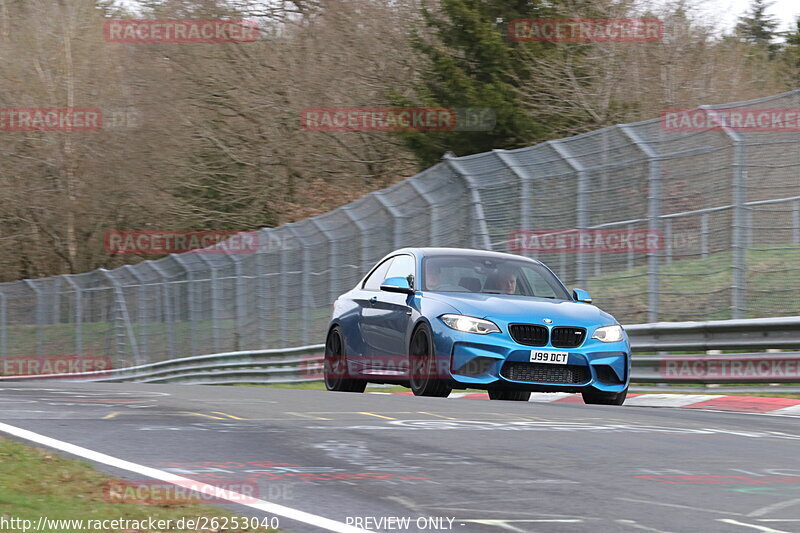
column 763, row 367
column 727, row 204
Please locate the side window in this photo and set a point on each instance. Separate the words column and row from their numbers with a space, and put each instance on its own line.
column 402, row 267
column 540, row 287
column 373, row 282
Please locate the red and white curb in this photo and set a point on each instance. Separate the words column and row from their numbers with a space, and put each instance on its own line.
column 713, row 402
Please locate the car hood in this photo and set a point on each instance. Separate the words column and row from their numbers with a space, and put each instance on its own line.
column 513, row 308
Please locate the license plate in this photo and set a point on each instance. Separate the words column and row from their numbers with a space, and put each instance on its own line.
column 549, row 356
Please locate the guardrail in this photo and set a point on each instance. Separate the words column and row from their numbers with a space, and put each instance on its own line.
column 288, row 365
column 661, row 366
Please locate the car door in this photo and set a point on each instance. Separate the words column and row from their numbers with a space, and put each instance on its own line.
column 368, row 321
column 385, row 320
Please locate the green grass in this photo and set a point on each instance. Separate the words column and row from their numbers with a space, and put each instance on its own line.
column 37, row 483
column 699, row 289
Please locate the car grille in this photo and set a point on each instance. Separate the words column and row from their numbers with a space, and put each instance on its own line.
column 562, row 337
column 529, row 334
column 546, row 373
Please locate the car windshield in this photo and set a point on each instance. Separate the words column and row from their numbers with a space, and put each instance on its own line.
column 490, row 275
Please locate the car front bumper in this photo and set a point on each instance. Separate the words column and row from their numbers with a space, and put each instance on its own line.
column 497, row 361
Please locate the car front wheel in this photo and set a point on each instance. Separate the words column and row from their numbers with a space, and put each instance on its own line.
column 335, row 369
column 424, row 378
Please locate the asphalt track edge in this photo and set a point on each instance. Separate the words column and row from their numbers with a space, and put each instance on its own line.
column 234, row 497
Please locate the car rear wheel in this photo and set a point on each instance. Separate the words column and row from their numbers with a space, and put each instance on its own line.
column 594, row 396
column 510, row 395
column 425, row 380
column 335, row 369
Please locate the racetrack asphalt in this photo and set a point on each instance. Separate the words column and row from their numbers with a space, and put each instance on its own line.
column 465, row 465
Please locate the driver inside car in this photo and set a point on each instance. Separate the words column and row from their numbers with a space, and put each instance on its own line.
column 434, row 281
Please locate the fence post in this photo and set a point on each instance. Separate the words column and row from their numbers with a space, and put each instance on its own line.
column 239, row 302
column 306, row 286
column 171, row 350
column 284, row 278
column 144, row 350
column 704, row 248
column 215, row 297
column 78, row 314
column 738, row 235
column 3, row 324
column 397, row 219
column 653, row 217
column 39, row 316
column 364, row 254
column 524, row 188
column 433, row 235
column 265, row 246
column 481, row 233
column 796, row 222
column 189, row 302
column 334, row 267
column 121, row 306
column 631, row 256
column 582, row 207
column 668, row 240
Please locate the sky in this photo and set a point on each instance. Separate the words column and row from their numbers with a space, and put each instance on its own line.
column 726, row 12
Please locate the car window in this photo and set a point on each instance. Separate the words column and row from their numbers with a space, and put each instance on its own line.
column 402, row 267
column 538, row 284
column 492, row 275
column 373, row 282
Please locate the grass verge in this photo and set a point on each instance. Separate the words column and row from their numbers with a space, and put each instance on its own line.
column 37, row 483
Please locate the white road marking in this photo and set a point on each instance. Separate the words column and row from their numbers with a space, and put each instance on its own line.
column 506, row 524
column 774, row 507
column 669, row 400
column 793, row 410
column 636, row 525
column 752, row 526
column 664, row 504
column 254, row 503
column 546, row 397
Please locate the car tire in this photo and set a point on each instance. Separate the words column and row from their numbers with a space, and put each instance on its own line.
column 510, row 395
column 594, row 396
column 335, row 371
column 424, row 379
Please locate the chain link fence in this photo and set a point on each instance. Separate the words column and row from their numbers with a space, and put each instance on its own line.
column 725, row 204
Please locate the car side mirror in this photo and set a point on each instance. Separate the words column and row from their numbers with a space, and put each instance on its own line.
column 398, row 284
column 581, row 295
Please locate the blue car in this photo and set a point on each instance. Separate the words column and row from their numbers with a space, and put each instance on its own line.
column 434, row 319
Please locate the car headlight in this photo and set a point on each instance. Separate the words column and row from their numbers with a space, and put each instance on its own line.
column 469, row 324
column 608, row 334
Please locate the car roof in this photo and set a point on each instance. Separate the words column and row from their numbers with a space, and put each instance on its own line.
column 437, row 251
